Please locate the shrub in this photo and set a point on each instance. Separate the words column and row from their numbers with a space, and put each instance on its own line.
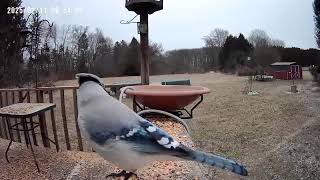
column 315, row 71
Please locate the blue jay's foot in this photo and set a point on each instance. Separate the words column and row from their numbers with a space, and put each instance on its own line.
column 123, row 175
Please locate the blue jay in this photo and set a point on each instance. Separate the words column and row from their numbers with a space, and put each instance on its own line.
column 127, row 140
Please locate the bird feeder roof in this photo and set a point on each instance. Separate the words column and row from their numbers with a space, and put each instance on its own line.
column 144, row 6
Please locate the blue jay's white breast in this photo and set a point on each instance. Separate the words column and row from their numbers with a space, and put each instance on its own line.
column 119, row 153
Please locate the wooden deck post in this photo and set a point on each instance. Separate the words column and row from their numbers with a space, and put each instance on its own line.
column 43, row 123
column 75, row 105
column 1, row 123
column 64, row 118
column 53, row 121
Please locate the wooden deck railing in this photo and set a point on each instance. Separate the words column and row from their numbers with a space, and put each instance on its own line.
column 60, row 123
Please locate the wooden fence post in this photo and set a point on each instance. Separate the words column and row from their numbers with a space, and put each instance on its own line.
column 64, row 118
column 75, row 105
column 1, row 124
column 53, row 121
column 43, row 123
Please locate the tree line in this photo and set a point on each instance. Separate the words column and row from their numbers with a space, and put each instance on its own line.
column 63, row 51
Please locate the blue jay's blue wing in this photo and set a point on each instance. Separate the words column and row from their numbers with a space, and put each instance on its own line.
column 147, row 139
column 160, row 136
column 143, row 137
column 151, row 140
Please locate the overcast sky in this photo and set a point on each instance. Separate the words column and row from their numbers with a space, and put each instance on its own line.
column 183, row 23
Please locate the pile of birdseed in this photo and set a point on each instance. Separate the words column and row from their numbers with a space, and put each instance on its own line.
column 172, row 169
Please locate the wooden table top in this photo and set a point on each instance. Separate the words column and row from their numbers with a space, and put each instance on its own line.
column 25, row 109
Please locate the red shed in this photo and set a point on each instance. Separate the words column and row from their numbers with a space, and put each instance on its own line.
column 285, row 70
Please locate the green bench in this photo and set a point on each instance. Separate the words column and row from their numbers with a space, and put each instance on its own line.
column 178, row 82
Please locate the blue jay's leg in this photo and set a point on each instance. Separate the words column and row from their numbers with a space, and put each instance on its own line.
column 124, row 174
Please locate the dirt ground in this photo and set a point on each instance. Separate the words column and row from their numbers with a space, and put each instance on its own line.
column 276, row 134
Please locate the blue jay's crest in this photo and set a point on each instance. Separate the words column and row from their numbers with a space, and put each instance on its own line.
column 85, row 77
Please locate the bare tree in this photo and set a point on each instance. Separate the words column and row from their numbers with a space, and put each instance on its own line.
column 216, row 38
column 76, row 33
column 54, row 36
column 59, row 35
column 58, row 38
column 259, row 38
column 65, row 33
column 156, row 49
column 277, row 43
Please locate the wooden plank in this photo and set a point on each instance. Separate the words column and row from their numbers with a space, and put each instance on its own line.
column 3, row 121
column 15, row 119
column 63, row 87
column 34, row 136
column 75, row 105
column 44, row 130
column 1, row 100
column 53, row 122
column 6, row 98
column 40, row 88
column 43, row 122
column 16, row 89
column 25, row 127
column 8, row 119
column 20, row 96
column 64, row 118
column 37, row 96
column 28, row 97
column 9, row 130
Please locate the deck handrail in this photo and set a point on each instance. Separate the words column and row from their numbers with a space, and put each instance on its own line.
column 51, row 88
column 66, row 116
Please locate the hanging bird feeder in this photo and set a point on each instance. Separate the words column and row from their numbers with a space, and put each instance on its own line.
column 144, row 8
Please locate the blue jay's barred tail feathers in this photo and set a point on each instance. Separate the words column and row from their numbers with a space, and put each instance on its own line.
column 214, row 160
